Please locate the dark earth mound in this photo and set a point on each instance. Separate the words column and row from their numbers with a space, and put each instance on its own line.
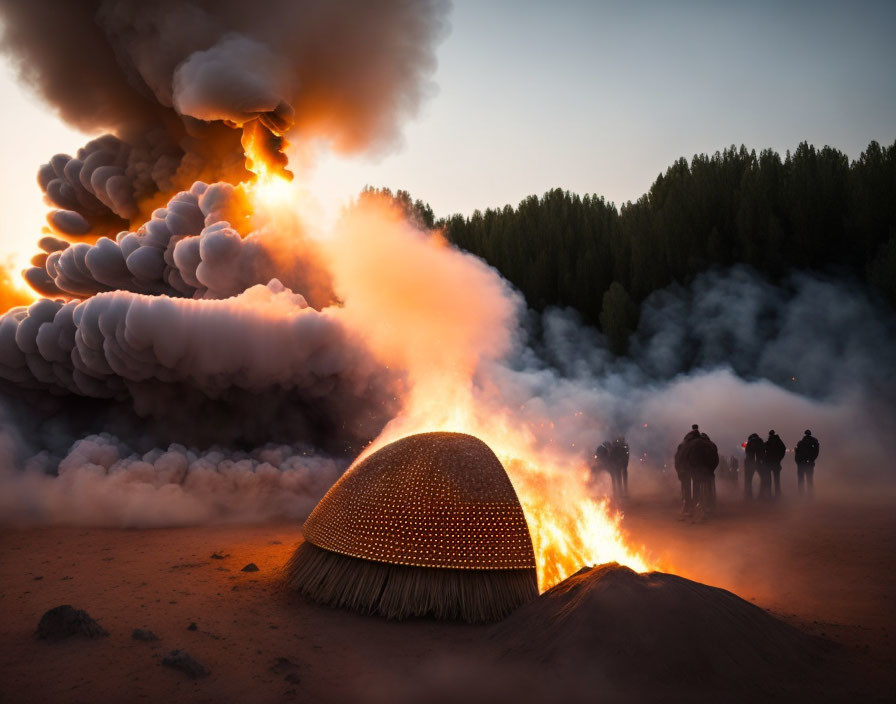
column 661, row 633
column 66, row 621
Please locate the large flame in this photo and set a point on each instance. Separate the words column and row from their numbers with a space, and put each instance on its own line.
column 569, row 527
column 447, row 320
column 266, row 159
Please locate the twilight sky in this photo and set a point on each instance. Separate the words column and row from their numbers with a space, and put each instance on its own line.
column 590, row 96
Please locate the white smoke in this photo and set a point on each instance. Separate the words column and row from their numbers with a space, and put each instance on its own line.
column 102, row 481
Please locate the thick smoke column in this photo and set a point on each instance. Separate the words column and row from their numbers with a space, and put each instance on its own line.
column 172, row 79
column 199, row 323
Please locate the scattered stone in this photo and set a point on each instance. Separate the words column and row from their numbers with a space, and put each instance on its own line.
column 293, row 678
column 65, row 621
column 143, row 634
column 283, row 665
column 37, row 578
column 218, row 556
column 251, row 567
column 274, row 542
column 186, row 663
column 192, row 626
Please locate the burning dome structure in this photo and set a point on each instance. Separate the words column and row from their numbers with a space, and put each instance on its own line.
column 427, row 525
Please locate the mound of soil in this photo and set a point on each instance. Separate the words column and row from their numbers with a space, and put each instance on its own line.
column 661, row 631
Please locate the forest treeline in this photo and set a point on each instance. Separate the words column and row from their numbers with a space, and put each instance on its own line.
column 812, row 210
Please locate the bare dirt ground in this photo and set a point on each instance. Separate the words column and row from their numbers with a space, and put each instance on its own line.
column 826, row 567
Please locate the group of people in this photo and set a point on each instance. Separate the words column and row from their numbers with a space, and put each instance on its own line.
column 696, row 461
column 764, row 458
column 728, row 467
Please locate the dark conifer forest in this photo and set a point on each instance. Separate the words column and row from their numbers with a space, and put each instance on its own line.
column 812, row 210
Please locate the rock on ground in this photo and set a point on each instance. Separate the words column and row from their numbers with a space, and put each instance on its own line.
column 143, row 634
column 66, row 621
column 186, row 663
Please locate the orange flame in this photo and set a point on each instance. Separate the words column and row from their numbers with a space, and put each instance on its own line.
column 13, row 290
column 266, row 159
column 569, row 527
column 446, row 319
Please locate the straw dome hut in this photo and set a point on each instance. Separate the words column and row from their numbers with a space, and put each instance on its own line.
column 428, row 525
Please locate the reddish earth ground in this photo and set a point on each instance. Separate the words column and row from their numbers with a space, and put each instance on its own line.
column 826, row 568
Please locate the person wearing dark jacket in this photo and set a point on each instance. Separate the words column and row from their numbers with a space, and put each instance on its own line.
column 696, row 460
column 601, row 462
column 805, row 453
column 683, row 470
column 775, row 449
column 754, row 451
column 619, row 456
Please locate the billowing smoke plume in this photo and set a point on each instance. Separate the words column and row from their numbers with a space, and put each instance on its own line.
column 172, row 79
column 259, row 365
column 192, row 247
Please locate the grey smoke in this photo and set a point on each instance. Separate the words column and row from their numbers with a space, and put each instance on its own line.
column 171, row 78
column 732, row 352
column 249, row 368
column 188, row 248
column 103, row 480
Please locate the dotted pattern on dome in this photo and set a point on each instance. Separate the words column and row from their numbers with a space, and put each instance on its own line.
column 427, row 500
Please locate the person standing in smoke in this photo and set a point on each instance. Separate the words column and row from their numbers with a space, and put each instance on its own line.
column 619, row 456
column 775, row 449
column 602, row 462
column 705, row 459
column 805, row 453
column 733, row 466
column 754, row 454
column 683, row 470
column 724, row 468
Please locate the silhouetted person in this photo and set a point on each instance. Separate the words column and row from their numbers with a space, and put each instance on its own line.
column 732, row 465
column 805, row 453
column 705, row 458
column 753, row 454
column 619, row 456
column 683, row 470
column 775, row 449
column 695, row 462
column 724, row 469
column 602, row 462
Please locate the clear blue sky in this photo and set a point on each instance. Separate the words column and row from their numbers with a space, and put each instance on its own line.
column 590, row 96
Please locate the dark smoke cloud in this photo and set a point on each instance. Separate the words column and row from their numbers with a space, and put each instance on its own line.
column 250, row 368
column 171, row 78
